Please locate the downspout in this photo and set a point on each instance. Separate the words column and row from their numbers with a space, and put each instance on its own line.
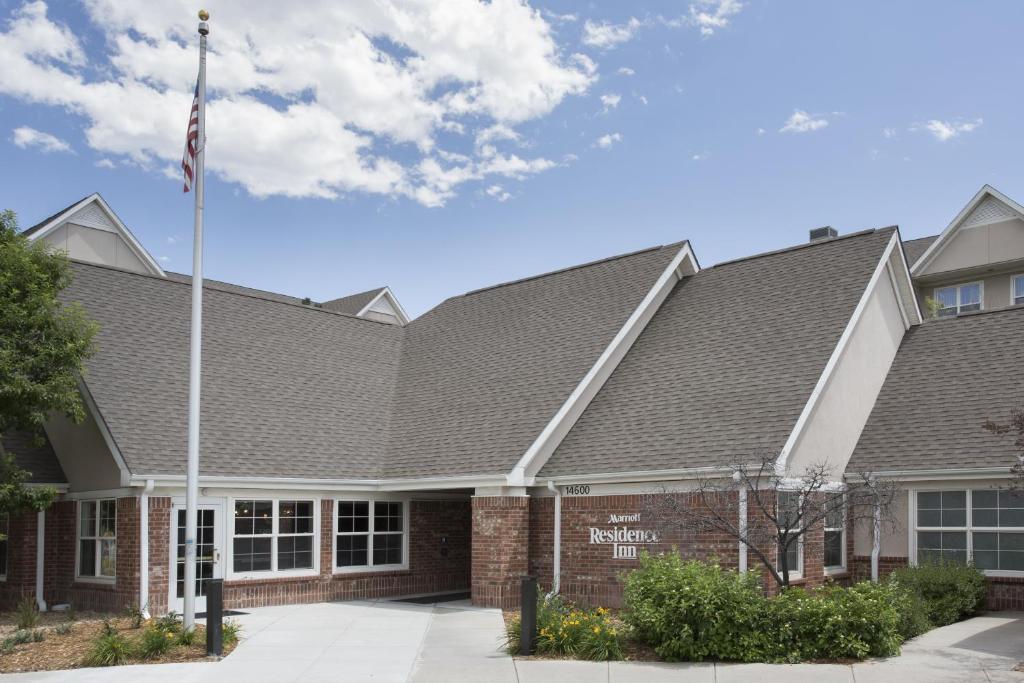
column 40, row 558
column 556, row 569
column 742, row 563
column 876, row 541
column 144, row 549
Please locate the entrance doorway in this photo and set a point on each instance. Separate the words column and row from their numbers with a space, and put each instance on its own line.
column 209, row 543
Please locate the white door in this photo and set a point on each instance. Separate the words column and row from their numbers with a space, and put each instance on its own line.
column 209, row 542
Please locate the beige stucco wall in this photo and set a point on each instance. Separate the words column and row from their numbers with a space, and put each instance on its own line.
column 833, row 428
column 83, row 454
column 95, row 246
column 894, row 532
column 980, row 246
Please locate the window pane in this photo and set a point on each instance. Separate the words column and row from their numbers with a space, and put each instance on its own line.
column 87, row 558
column 946, row 296
column 833, row 548
column 254, row 517
column 834, row 517
column 1018, row 289
column 387, row 516
column 251, row 554
column 108, row 558
column 985, row 517
column 929, row 518
column 108, row 518
column 956, row 540
column 387, row 549
column 87, row 526
column 295, row 552
column 984, row 499
column 353, row 516
column 954, row 518
column 970, row 297
column 296, row 517
column 351, row 551
column 986, row 541
column 954, row 499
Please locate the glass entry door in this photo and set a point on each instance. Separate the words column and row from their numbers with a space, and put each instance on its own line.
column 209, row 532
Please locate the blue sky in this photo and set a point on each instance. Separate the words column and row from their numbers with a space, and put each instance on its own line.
column 902, row 111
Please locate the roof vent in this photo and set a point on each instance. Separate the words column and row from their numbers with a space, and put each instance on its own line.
column 825, row 233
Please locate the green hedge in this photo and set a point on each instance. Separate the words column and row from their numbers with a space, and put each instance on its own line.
column 692, row 611
column 946, row 592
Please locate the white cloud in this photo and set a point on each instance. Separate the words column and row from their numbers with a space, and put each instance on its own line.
column 324, row 99
column 643, row 100
column 559, row 18
column 163, row 259
column 605, row 35
column 802, row 122
column 104, row 163
column 172, row 240
column 499, row 193
column 607, row 140
column 26, row 137
column 761, row 131
column 700, row 156
column 711, row 15
column 888, row 133
column 946, row 130
column 625, row 71
column 610, row 101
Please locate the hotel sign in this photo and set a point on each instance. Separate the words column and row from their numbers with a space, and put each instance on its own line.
column 623, row 538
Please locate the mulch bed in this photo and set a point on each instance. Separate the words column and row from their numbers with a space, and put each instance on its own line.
column 69, row 650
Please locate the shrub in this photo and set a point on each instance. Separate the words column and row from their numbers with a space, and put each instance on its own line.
column 110, row 649
column 155, row 642
column 169, row 623
column 187, row 637
column 832, row 623
column 565, row 630
column 21, row 636
column 912, row 608
column 63, row 629
column 26, row 614
column 694, row 610
column 951, row 592
column 232, row 629
column 135, row 616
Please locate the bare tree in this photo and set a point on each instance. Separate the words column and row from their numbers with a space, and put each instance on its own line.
column 780, row 509
column 1014, row 424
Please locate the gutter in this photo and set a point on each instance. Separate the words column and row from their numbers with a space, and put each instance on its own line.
column 556, row 569
column 144, row 548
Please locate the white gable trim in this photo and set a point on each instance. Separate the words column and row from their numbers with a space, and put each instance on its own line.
column 957, row 223
column 385, row 293
column 555, row 431
column 122, row 229
column 913, row 317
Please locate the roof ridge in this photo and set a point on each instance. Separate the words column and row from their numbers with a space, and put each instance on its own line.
column 805, row 245
column 302, row 306
column 578, row 266
column 349, row 296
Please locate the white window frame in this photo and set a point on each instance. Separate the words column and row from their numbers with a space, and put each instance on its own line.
column 840, row 568
column 5, row 528
column 957, row 287
column 370, row 567
column 798, row 572
column 969, row 529
column 1013, row 289
column 98, row 578
column 273, row 572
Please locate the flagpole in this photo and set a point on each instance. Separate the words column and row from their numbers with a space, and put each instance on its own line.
column 196, row 347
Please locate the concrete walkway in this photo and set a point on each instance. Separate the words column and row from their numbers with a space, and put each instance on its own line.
column 383, row 641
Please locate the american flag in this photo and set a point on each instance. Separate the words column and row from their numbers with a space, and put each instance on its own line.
column 188, row 161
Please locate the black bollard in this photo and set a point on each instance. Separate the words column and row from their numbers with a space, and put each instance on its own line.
column 528, row 617
column 215, row 617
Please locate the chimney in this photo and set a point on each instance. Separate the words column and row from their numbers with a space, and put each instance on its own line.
column 825, row 233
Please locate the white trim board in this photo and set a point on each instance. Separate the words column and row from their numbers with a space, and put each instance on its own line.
column 123, row 230
column 946, row 235
column 530, row 463
column 403, row 317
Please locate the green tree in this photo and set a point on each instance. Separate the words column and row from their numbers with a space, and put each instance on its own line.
column 43, row 347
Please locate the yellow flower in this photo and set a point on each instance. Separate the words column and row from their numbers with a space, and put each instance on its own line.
column 597, row 629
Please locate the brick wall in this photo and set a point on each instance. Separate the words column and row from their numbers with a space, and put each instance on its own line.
column 439, row 561
column 21, row 560
column 59, row 551
column 542, row 538
column 500, row 549
column 159, row 553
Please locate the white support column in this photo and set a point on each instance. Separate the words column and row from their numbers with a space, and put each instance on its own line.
column 144, row 549
column 876, row 542
column 40, row 558
column 742, row 565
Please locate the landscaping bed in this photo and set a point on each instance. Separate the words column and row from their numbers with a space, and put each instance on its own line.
column 56, row 642
column 698, row 611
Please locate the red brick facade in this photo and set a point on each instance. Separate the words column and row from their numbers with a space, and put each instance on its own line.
column 501, row 541
column 21, row 560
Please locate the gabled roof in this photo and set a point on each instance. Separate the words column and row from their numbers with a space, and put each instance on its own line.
column 36, row 458
column 948, row 377
column 353, row 303
column 916, row 247
column 82, row 207
column 988, row 205
column 727, row 364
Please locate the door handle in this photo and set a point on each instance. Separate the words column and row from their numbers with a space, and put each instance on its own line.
column 216, row 554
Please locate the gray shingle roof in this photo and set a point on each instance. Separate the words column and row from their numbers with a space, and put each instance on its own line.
column 296, row 391
column 38, row 226
column 37, row 459
column 483, row 373
column 916, row 248
column 948, row 377
column 727, row 363
column 237, row 289
column 288, row 390
column 352, row 303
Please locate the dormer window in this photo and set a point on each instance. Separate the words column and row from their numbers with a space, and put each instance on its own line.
column 958, row 299
column 1018, row 290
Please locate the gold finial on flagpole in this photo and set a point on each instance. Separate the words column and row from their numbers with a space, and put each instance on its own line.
column 204, row 28
column 204, row 15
